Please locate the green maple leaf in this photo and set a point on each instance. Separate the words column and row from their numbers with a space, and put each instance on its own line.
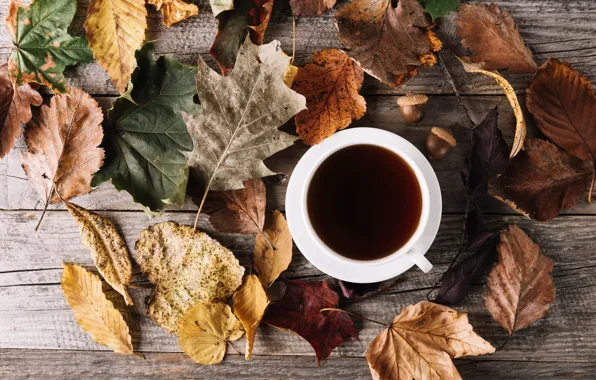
column 438, row 8
column 147, row 134
column 43, row 48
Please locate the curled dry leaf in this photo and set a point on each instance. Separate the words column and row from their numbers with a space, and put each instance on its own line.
column 330, row 85
column 108, row 249
column 421, row 342
column 563, row 104
column 310, row 7
column 250, row 302
column 96, row 315
column 299, row 312
column 205, row 331
column 186, row 267
column 521, row 288
column 493, row 38
column 269, row 261
column 15, row 108
column 115, row 30
column 174, row 11
column 541, row 181
column 390, row 43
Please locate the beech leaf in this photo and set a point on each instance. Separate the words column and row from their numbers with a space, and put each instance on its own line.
column 493, row 38
column 15, row 108
column 205, row 331
column 96, row 315
column 330, row 85
column 541, row 181
column 270, row 261
column 186, row 267
column 299, row 311
column 43, row 48
column 250, row 302
column 438, row 8
column 521, row 288
column 310, row 7
column 174, row 11
column 421, row 342
column 389, row 42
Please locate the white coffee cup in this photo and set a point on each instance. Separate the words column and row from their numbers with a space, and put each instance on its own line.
column 360, row 271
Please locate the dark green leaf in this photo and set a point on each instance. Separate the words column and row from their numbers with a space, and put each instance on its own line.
column 438, row 8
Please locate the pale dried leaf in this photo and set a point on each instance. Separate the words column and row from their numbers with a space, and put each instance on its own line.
column 270, row 263
column 174, row 11
column 218, row 6
column 250, row 302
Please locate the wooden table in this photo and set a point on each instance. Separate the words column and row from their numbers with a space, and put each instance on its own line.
column 39, row 337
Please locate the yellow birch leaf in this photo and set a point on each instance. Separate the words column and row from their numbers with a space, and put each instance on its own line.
column 270, row 263
column 96, row 315
column 250, row 302
column 205, row 330
column 116, row 30
column 174, row 11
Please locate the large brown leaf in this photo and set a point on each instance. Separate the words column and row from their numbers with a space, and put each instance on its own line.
column 63, row 152
column 15, row 108
column 273, row 249
column 521, row 287
column 541, row 181
column 564, row 107
column 390, row 43
column 330, row 86
column 421, row 342
column 310, row 7
column 493, row 38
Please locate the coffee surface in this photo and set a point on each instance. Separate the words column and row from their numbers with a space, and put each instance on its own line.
column 364, row 202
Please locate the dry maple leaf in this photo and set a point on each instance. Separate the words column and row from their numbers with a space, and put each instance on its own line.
column 270, row 261
column 250, row 302
column 310, row 7
column 174, row 11
column 186, row 266
column 96, row 315
column 115, row 30
column 15, row 108
column 330, row 86
column 109, row 251
column 563, row 104
column 421, row 342
column 299, row 312
column 205, row 331
column 390, row 43
column 493, row 38
column 521, row 286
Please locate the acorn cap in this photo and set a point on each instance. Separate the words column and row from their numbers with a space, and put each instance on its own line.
column 444, row 135
column 411, row 99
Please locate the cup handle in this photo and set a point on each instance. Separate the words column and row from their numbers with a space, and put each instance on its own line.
column 418, row 258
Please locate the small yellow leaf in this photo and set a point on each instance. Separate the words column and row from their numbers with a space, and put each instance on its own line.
column 205, row 330
column 174, row 11
column 250, row 302
column 290, row 75
column 268, row 262
column 93, row 311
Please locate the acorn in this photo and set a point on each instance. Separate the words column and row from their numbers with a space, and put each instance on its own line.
column 439, row 143
column 412, row 106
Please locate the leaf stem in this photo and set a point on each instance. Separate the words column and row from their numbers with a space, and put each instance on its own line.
column 269, row 242
column 454, row 88
column 354, row 315
column 293, row 40
column 234, row 347
column 592, row 184
column 7, row 47
column 14, row 176
column 139, row 355
column 201, row 207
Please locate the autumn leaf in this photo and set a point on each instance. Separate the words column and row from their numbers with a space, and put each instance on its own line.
column 270, row 261
column 541, row 181
column 96, row 315
column 108, row 249
column 174, row 11
column 146, row 134
column 15, row 108
column 115, row 30
column 438, row 8
column 205, row 331
column 250, row 302
column 63, row 152
column 330, row 85
column 390, row 43
column 421, row 342
column 299, row 312
column 41, row 57
column 477, row 231
column 563, row 104
column 248, row 18
column 186, row 267
column 521, row 288
column 493, row 38
column 218, row 6
column 238, row 128
column 310, row 7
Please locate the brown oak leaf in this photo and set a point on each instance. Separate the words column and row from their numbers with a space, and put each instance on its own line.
column 521, row 286
column 330, row 86
column 563, row 104
column 273, row 249
column 493, row 38
column 15, row 108
column 389, row 42
column 299, row 311
column 541, row 180
column 310, row 7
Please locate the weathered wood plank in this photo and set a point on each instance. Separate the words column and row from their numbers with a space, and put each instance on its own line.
column 556, row 28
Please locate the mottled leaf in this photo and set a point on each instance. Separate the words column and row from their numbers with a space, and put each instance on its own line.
column 174, row 11
column 270, row 261
column 310, row 7
column 250, row 302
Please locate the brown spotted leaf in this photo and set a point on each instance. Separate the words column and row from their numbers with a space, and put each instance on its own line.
column 270, row 261
column 310, row 7
column 174, row 11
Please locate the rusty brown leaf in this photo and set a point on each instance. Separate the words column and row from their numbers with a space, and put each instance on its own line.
column 310, row 7
column 270, row 261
